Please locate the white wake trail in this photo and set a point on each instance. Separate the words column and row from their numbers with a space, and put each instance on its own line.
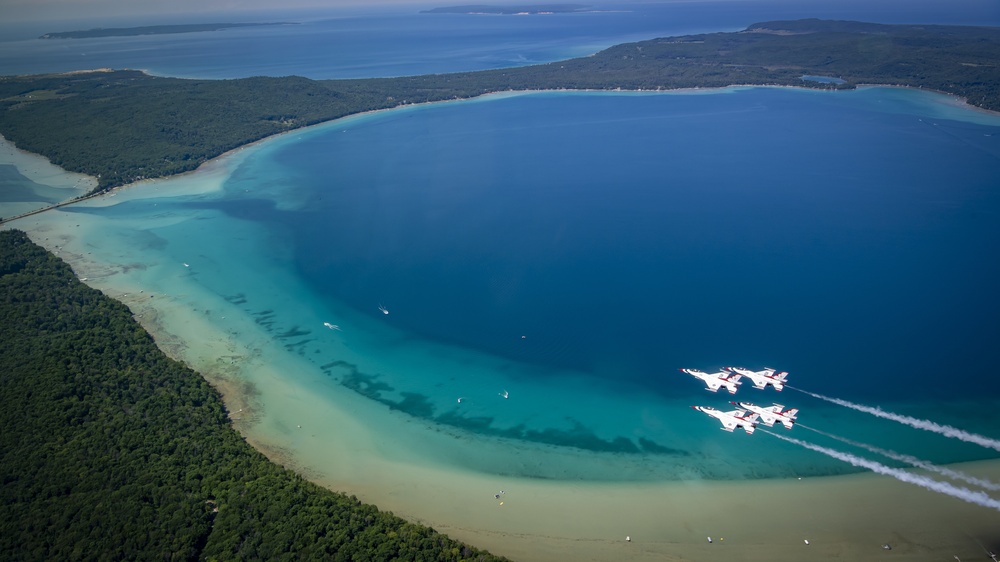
column 926, row 425
column 914, row 461
column 965, row 494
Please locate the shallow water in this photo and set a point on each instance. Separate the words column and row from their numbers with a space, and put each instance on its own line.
column 573, row 250
column 871, row 211
column 624, row 236
column 29, row 182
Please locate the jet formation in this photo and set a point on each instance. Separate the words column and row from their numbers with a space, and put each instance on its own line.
column 748, row 415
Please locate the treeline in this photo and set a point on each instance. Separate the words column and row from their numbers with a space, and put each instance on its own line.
column 112, row 451
column 124, row 126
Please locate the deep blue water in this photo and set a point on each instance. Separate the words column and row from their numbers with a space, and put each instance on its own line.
column 629, row 235
column 849, row 238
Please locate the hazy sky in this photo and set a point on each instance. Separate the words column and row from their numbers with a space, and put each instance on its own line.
column 175, row 10
column 39, row 10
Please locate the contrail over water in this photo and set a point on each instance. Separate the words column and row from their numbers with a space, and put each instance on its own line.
column 914, row 461
column 927, row 425
column 977, row 497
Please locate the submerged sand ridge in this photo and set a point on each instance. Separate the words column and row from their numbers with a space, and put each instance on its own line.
column 361, row 447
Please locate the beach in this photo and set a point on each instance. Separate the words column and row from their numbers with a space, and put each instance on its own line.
column 361, row 447
column 472, row 313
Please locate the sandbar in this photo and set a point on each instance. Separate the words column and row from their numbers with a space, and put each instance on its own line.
column 360, row 447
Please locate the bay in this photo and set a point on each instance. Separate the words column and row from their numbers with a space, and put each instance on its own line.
column 550, row 260
column 845, row 237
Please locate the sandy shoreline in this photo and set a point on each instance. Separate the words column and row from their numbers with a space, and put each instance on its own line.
column 848, row 517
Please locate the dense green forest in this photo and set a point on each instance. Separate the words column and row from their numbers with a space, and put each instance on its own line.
column 124, row 126
column 112, row 451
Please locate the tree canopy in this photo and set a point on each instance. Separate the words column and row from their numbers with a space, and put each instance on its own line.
column 112, row 451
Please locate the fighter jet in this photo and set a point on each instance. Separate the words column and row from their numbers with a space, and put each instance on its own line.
column 731, row 420
column 716, row 380
column 772, row 414
column 763, row 378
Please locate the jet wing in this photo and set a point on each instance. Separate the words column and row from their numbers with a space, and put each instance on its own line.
column 713, row 383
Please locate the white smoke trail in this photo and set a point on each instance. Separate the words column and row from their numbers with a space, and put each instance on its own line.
column 927, row 425
column 914, row 461
column 976, row 497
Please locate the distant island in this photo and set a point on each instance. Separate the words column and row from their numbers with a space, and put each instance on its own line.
column 509, row 10
column 150, row 30
column 111, row 450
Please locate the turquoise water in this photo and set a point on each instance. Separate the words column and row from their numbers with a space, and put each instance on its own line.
column 626, row 234
column 575, row 249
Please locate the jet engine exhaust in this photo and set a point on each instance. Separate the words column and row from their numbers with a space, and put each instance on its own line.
column 926, row 425
column 913, row 461
column 965, row 494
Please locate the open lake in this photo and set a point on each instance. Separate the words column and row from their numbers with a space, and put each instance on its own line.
column 536, row 268
column 418, row 304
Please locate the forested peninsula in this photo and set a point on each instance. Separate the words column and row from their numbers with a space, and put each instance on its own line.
column 123, row 126
column 110, row 450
